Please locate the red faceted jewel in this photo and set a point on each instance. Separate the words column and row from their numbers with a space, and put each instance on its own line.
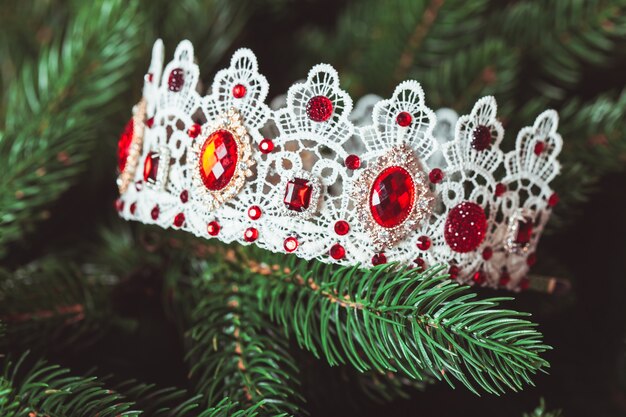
column 133, row 208
column 251, row 234
column 421, row 264
column 179, row 220
column 487, row 253
column 176, row 80
column 155, row 213
column 218, row 159
column 500, row 189
column 151, row 167
column 553, row 200
column 453, row 272
column 435, row 176
column 392, row 196
column 342, row 227
column 353, row 162
column 194, row 130
column 298, row 194
column 319, row 108
column 379, row 259
column 266, row 146
column 254, row 212
column 479, row 277
column 423, row 243
column 123, row 145
column 539, row 148
column 524, row 231
column 290, row 244
column 465, row 227
column 150, row 122
column 481, row 138
column 337, row 251
column 404, row 119
column 213, row 228
column 239, row 91
column 184, row 196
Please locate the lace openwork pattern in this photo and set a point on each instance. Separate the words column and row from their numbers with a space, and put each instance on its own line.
column 452, row 184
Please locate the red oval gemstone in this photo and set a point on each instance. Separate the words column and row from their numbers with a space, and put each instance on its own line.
column 133, row 208
column 453, row 272
column 290, row 244
column 404, row 119
column 379, row 259
column 553, row 200
column 500, row 189
column 254, row 212
column 421, row 264
column 151, row 167
column 155, row 213
column 479, row 277
column 539, row 148
column 250, row 234
column 123, row 145
column 213, row 228
column 487, row 253
column 524, row 231
column 184, row 196
column 342, row 227
column 465, row 227
column 218, row 160
column 423, row 243
column 194, row 130
column 176, row 79
column 179, row 220
column 353, row 162
column 435, row 176
column 150, row 122
column 337, row 251
column 319, row 108
column 239, row 91
column 392, row 196
column 266, row 146
column 481, row 138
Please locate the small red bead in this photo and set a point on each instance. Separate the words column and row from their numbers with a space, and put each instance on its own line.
column 179, row 220
column 479, row 277
column 421, row 264
column 487, row 253
column 319, row 108
column 342, row 227
column 239, row 91
column 435, row 176
column 290, row 244
column 539, row 148
column 213, row 228
column 423, row 243
column 353, row 162
column 505, row 278
column 379, row 259
column 266, row 146
column 194, row 130
column 500, row 189
column 176, row 80
column 133, row 208
column 531, row 259
column 184, row 196
column 251, row 234
column 155, row 213
column 150, row 122
column 404, row 119
column 553, row 200
column 453, row 272
column 337, row 251
column 524, row 284
column 481, row 138
column 150, row 77
column 254, row 212
column 465, row 227
column 119, row 205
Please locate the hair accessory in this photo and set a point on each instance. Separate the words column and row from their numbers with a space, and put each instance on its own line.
column 304, row 179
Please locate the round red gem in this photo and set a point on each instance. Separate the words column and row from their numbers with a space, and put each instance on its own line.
column 453, row 272
column 465, row 227
column 531, row 259
column 553, row 200
column 404, row 119
column 266, row 146
column 176, row 79
column 213, row 228
column 184, row 196
column 133, row 208
column 342, row 227
column 379, row 259
column 500, row 189
column 337, row 251
column 319, row 108
column 218, row 160
column 149, row 77
column 353, row 162
column 119, row 205
column 539, row 148
column 150, row 122
column 423, row 243
column 421, row 264
column 487, row 253
column 179, row 220
column 194, row 130
column 435, row 176
column 481, row 138
column 254, row 212
column 155, row 213
column 392, row 196
column 504, row 280
column 479, row 277
column 524, row 284
column 239, row 91
column 250, row 234
column 290, row 244
column 123, row 145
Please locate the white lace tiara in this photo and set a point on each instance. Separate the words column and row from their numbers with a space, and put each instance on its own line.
column 304, row 179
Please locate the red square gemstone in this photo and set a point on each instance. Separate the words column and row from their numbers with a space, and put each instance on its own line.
column 524, row 231
column 298, row 194
column 151, row 167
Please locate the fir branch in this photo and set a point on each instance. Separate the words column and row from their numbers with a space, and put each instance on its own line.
column 234, row 353
column 399, row 320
